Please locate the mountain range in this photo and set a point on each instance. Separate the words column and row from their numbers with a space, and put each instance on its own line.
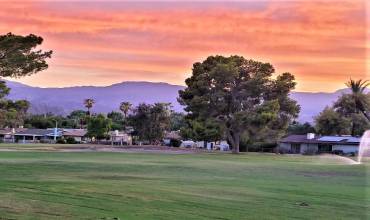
column 64, row 100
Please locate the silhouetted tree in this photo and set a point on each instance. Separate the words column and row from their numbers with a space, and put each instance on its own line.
column 18, row 56
column 89, row 103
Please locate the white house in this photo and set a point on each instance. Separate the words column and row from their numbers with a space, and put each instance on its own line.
column 78, row 135
column 301, row 144
column 120, row 138
column 218, row 145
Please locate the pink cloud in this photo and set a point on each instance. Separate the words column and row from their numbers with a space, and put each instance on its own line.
column 315, row 41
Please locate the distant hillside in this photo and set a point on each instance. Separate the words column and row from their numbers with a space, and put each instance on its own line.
column 65, row 100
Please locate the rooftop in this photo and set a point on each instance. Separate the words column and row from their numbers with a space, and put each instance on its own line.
column 321, row 139
column 36, row 132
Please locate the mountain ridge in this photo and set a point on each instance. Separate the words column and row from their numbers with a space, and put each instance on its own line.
column 63, row 100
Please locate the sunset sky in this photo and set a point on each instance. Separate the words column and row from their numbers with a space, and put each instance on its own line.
column 323, row 43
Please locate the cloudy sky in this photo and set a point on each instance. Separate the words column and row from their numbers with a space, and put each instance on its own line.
column 323, row 43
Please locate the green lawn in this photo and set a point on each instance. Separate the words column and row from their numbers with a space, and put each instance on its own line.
column 55, row 185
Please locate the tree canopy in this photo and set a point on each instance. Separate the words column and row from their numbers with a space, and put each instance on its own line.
column 98, row 127
column 330, row 122
column 19, row 57
column 240, row 94
column 349, row 113
column 150, row 121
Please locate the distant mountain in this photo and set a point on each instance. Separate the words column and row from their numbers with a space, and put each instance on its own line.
column 107, row 98
column 64, row 100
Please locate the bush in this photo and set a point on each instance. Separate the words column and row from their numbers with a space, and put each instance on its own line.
column 61, row 141
column 175, row 143
column 71, row 140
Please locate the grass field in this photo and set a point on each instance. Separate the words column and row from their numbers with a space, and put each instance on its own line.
column 88, row 185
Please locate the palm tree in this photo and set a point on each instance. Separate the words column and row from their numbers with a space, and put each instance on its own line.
column 89, row 104
column 125, row 107
column 359, row 96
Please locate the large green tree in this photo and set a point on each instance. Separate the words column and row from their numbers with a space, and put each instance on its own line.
column 330, row 122
column 117, row 120
column 206, row 129
column 355, row 106
column 19, row 56
column 177, row 121
column 150, row 121
column 78, row 118
column 98, row 127
column 349, row 114
column 240, row 94
column 359, row 96
column 298, row 128
column 13, row 112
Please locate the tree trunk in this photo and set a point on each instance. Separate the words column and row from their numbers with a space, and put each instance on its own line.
column 236, row 147
column 234, row 139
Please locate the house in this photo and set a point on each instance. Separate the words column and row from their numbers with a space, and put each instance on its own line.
column 120, row 138
column 309, row 144
column 7, row 134
column 37, row 135
column 78, row 135
column 218, row 145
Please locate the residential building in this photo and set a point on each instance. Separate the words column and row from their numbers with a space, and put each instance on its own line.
column 37, row 135
column 79, row 135
column 308, row 144
column 120, row 138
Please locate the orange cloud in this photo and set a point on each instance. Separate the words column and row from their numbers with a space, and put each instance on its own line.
column 322, row 43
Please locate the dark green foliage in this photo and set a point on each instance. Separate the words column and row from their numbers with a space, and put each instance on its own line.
column 77, row 118
column 4, row 90
column 349, row 114
column 241, row 96
column 330, row 122
column 117, row 120
column 175, row 143
column 13, row 113
column 361, row 100
column 71, row 140
column 298, row 128
column 125, row 107
column 348, row 107
column 61, row 141
column 18, row 56
column 151, row 121
column 98, row 127
column 201, row 130
column 50, row 121
column 177, row 121
column 89, row 103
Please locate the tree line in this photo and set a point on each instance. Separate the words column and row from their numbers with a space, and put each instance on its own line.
column 230, row 98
